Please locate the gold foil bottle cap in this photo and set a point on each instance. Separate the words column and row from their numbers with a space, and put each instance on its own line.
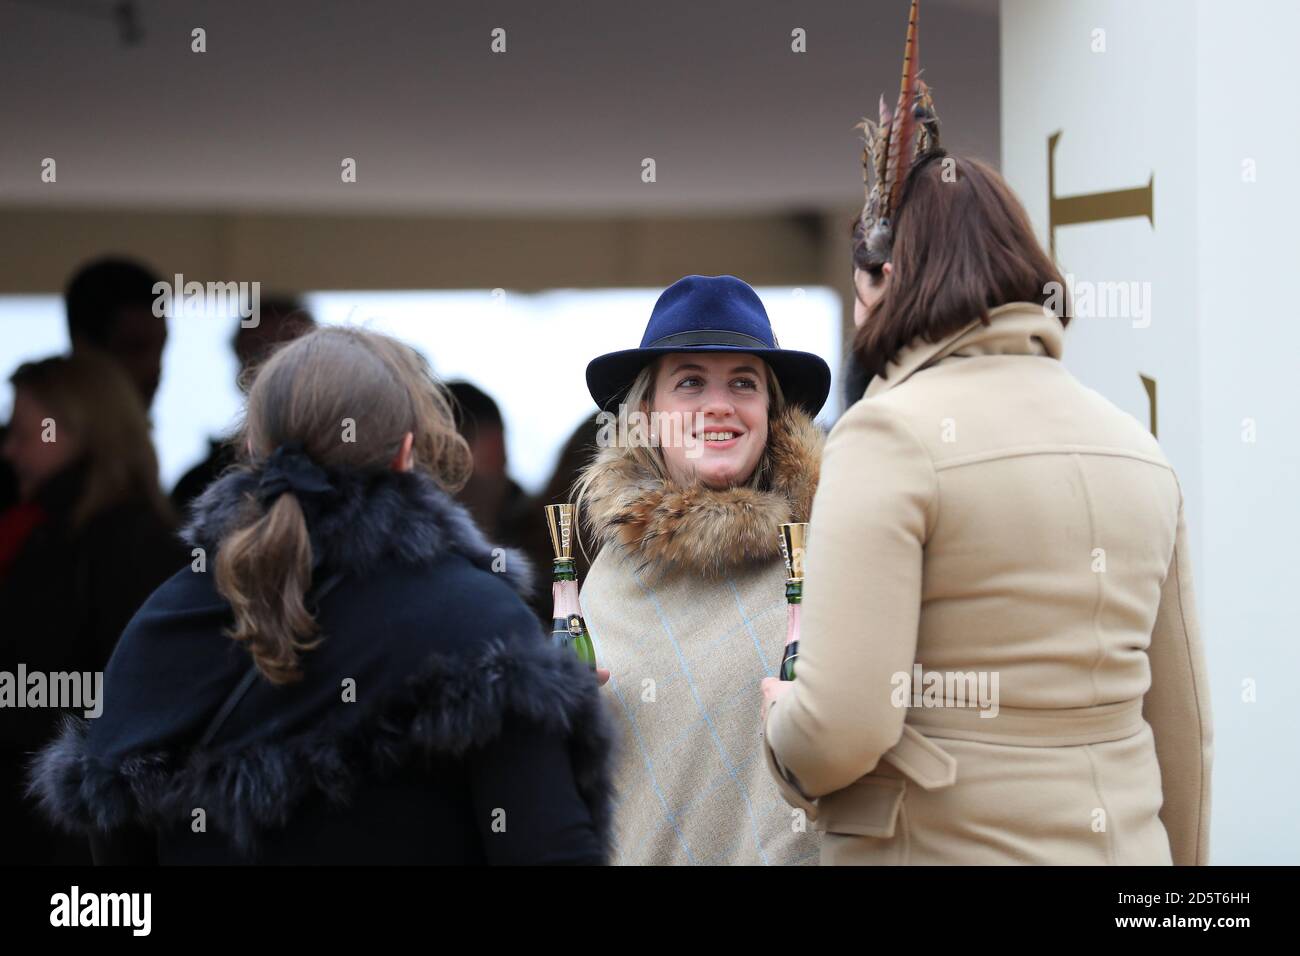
column 559, row 522
column 794, row 537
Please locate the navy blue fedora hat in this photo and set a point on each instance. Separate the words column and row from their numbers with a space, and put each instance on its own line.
column 711, row 314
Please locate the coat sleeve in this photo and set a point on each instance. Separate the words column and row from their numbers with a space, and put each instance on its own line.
column 861, row 606
column 526, row 804
column 1178, row 709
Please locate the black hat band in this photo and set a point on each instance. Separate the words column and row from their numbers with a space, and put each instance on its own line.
column 707, row 337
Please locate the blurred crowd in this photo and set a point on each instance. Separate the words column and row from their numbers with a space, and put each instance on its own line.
column 87, row 533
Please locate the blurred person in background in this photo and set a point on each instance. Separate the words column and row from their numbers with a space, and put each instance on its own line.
column 494, row 498
column 281, row 319
column 109, row 304
column 501, row 508
column 110, row 309
column 89, row 540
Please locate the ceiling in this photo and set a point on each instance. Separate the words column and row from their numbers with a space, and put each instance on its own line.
column 437, row 123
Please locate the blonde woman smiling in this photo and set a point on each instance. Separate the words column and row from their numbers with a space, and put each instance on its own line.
column 685, row 599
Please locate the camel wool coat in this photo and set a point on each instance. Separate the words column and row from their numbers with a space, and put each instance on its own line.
column 1000, row 660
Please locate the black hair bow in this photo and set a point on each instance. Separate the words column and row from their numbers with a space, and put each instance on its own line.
column 290, row 469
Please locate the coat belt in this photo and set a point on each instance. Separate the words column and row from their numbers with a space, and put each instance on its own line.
column 869, row 806
column 927, row 764
column 1032, row 727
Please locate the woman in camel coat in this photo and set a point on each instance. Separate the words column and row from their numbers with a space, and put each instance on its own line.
column 1000, row 660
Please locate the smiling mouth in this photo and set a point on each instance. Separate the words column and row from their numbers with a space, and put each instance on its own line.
column 720, row 439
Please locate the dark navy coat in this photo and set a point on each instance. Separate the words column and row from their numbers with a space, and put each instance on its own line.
column 470, row 739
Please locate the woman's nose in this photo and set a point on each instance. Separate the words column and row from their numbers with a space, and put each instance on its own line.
column 717, row 402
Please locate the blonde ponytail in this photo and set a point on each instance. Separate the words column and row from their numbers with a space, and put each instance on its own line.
column 264, row 571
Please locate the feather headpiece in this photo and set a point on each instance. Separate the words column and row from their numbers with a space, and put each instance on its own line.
column 889, row 149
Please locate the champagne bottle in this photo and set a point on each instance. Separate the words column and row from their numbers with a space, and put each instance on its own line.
column 567, row 627
column 793, row 538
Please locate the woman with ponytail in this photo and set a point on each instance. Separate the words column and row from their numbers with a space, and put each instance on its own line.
column 348, row 672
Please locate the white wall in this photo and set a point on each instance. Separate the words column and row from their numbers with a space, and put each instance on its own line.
column 1247, row 260
column 1169, row 97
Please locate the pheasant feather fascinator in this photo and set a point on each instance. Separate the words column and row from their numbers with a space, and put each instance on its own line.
column 891, row 146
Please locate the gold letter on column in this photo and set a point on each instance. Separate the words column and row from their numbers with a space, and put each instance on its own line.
column 1150, row 385
column 1091, row 207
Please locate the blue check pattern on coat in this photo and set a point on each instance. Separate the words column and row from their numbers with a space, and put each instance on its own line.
column 686, row 658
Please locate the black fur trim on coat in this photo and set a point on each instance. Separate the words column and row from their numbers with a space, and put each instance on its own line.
column 457, row 700
column 371, row 518
column 451, row 708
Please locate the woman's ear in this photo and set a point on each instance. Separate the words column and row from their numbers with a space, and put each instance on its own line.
column 405, row 458
column 887, row 269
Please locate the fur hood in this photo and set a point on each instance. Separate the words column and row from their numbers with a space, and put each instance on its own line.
column 702, row 530
column 138, row 763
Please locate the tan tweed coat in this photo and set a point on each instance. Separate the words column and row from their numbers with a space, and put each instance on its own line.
column 686, row 606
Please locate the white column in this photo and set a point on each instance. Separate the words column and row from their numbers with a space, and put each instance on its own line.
column 1197, row 98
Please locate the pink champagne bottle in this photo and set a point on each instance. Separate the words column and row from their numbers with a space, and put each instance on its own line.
column 567, row 626
column 793, row 537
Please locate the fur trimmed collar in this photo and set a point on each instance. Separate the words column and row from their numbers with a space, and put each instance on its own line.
column 138, row 762
column 451, row 706
column 702, row 530
column 371, row 518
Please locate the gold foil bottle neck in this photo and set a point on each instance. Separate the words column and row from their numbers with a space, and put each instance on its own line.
column 794, row 537
column 559, row 522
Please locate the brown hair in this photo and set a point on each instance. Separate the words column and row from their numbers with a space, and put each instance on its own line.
column 962, row 246
column 93, row 399
column 349, row 397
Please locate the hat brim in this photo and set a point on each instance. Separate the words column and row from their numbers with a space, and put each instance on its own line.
column 805, row 378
